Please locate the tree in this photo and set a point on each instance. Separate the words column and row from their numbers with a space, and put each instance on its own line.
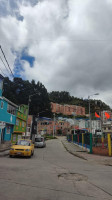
column 18, row 91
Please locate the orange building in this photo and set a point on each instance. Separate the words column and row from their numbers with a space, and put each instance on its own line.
column 67, row 109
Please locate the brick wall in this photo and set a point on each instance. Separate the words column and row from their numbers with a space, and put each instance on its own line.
column 67, row 109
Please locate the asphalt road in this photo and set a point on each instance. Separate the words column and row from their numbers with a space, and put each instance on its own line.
column 54, row 174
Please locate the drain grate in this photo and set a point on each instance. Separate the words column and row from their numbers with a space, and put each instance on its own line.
column 73, row 176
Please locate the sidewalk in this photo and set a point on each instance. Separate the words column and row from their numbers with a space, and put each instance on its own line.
column 4, row 149
column 81, row 153
column 4, row 153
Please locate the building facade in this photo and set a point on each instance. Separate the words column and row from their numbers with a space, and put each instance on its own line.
column 50, row 126
column 20, row 125
column 67, row 109
column 32, row 126
column 7, row 116
column 106, row 123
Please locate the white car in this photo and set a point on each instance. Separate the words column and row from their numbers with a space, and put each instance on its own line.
column 40, row 142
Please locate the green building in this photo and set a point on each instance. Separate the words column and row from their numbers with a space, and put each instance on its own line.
column 20, row 126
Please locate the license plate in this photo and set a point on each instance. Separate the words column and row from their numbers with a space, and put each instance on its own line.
column 18, row 153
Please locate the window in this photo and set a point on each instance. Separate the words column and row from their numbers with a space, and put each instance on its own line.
column 17, row 122
column 11, row 109
column 24, row 111
column 8, row 130
column 24, row 143
column 2, row 103
column 28, row 129
column 23, row 124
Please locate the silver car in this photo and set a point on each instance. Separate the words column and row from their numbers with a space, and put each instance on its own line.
column 40, row 142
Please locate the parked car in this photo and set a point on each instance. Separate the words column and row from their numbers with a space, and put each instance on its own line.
column 22, row 148
column 40, row 142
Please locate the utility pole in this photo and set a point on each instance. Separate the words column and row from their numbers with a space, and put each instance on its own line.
column 89, row 115
column 54, row 126
column 90, row 111
column 74, row 114
column 29, row 100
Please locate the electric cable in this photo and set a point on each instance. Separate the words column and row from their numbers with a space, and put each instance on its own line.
column 4, row 64
column 6, row 61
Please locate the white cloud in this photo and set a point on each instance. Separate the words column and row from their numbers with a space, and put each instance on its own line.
column 70, row 41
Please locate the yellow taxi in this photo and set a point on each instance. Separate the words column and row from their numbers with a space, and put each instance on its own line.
column 22, row 148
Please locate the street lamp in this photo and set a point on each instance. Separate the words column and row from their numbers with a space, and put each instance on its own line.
column 90, row 110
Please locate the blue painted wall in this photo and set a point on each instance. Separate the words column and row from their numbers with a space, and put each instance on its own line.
column 9, row 119
column 4, row 115
column 7, row 135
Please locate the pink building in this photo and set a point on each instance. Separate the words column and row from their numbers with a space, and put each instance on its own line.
column 67, row 109
column 46, row 127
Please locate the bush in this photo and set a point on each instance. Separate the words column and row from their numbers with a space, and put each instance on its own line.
column 49, row 137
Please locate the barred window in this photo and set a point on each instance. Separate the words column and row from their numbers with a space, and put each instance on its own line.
column 11, row 109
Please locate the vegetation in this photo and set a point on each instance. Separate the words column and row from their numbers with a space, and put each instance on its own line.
column 18, row 91
column 49, row 137
column 65, row 98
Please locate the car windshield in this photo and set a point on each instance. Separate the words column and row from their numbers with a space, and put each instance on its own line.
column 23, row 142
column 38, row 139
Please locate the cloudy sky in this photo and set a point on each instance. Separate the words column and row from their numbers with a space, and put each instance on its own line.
column 65, row 44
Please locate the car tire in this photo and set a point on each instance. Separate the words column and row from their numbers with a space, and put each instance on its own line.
column 32, row 153
column 30, row 156
column 10, row 156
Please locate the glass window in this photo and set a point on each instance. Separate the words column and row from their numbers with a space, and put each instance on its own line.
column 23, row 124
column 28, row 129
column 11, row 109
column 24, row 143
column 17, row 122
column 8, row 130
column 2, row 103
column 38, row 139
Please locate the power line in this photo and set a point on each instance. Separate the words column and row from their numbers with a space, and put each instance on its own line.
column 6, row 61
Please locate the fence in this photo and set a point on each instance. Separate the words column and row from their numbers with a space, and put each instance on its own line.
column 80, row 139
column 95, row 144
column 100, row 145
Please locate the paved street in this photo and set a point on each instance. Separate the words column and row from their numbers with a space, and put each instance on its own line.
column 54, row 174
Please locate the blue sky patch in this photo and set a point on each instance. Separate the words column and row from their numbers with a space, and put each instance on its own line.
column 20, row 58
column 28, row 58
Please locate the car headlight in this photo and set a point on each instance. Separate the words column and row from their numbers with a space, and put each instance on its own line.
column 12, row 149
column 27, row 149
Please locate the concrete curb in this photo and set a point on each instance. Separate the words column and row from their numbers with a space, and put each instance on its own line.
column 4, row 153
column 75, row 154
